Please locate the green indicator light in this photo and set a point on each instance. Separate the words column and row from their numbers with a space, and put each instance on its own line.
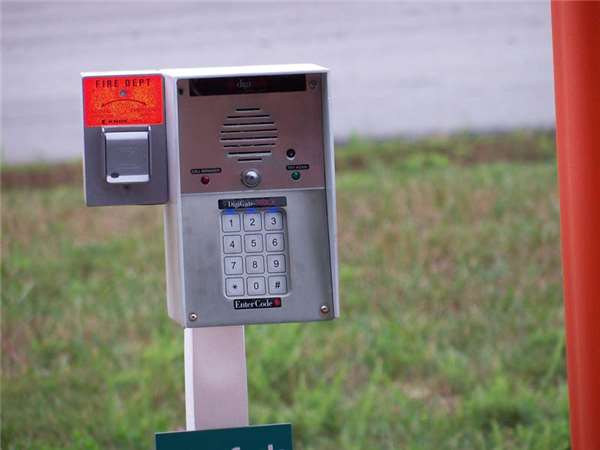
column 295, row 176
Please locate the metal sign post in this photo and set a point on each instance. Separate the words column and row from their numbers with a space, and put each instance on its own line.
column 576, row 35
column 216, row 390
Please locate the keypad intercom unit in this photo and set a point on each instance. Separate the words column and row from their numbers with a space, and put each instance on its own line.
column 250, row 226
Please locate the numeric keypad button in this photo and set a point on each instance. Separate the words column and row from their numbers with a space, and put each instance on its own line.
column 255, row 264
column 277, row 285
column 234, row 287
column 273, row 221
column 232, row 244
column 275, row 242
column 230, row 222
column 256, row 286
column 252, row 222
column 253, row 243
column 233, row 265
column 276, row 263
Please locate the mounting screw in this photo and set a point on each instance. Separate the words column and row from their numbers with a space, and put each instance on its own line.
column 193, row 317
column 324, row 309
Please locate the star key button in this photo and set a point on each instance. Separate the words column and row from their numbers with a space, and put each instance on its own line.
column 234, row 287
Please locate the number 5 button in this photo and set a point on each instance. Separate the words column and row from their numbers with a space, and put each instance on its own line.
column 274, row 242
column 253, row 243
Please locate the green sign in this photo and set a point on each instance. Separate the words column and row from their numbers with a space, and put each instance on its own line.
column 259, row 437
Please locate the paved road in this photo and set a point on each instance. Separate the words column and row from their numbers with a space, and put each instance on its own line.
column 405, row 68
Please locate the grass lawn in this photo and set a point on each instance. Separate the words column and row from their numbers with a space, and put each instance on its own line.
column 451, row 334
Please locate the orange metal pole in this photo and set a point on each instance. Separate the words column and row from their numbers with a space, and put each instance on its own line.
column 576, row 38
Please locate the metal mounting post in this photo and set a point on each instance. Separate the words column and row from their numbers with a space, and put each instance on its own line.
column 216, row 387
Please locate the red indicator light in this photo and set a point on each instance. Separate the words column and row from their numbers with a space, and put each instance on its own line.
column 205, row 180
column 277, row 302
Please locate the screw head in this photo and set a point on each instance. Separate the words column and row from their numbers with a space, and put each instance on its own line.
column 193, row 317
column 324, row 309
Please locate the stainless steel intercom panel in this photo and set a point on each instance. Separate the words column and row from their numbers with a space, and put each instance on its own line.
column 250, row 223
column 125, row 143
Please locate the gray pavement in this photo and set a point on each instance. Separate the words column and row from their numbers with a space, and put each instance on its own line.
column 398, row 68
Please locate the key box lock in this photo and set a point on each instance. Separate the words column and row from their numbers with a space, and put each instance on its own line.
column 127, row 157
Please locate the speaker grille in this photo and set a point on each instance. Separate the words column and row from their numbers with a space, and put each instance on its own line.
column 248, row 131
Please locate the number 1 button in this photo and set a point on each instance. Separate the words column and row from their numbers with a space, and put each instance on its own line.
column 230, row 222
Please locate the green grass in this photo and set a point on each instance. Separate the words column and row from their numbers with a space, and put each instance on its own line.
column 451, row 334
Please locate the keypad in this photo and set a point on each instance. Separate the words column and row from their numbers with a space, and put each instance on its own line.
column 254, row 248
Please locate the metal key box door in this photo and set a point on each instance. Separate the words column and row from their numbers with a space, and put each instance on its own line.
column 250, row 225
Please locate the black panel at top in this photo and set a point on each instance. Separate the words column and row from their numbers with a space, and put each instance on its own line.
column 247, row 85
